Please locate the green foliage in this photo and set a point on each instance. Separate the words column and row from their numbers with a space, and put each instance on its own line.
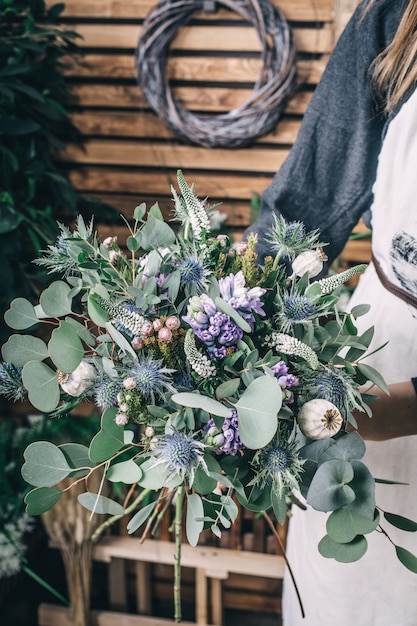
column 34, row 128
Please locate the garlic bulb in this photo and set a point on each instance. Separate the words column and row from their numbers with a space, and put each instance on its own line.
column 81, row 379
column 319, row 419
column 310, row 261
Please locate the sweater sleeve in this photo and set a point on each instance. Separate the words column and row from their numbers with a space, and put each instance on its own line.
column 326, row 181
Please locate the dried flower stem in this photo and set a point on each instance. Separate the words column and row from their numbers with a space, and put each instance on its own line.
column 281, row 547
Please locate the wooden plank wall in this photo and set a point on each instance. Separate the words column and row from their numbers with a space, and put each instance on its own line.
column 129, row 156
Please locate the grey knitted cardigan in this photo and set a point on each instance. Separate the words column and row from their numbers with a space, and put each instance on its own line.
column 326, row 181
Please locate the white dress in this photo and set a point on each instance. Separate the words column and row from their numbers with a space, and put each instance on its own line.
column 376, row 590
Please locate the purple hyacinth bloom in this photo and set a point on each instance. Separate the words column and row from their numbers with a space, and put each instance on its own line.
column 280, row 369
column 243, row 299
column 230, row 443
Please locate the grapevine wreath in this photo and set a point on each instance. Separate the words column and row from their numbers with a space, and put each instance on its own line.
column 239, row 126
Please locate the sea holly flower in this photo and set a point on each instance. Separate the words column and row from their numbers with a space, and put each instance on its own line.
column 332, row 384
column 180, row 452
column 278, row 465
column 152, row 377
column 288, row 239
column 58, row 258
column 107, row 391
column 191, row 262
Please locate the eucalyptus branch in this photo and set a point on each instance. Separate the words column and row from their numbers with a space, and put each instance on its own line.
column 115, row 518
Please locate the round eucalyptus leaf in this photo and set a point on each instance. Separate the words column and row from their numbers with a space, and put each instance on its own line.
column 132, row 244
column 140, row 517
column 21, row 314
column 83, row 332
column 156, row 234
column 56, row 300
column 349, row 447
column 41, row 499
column 198, row 401
column 363, row 485
column 65, row 348
column 343, row 552
column 344, row 525
column 329, row 489
column 157, row 476
column 194, row 522
column 228, row 388
column 77, row 458
column 257, row 410
column 100, row 504
column 45, row 464
column 20, row 349
column 104, row 446
column 108, row 424
column 124, row 472
column 42, row 385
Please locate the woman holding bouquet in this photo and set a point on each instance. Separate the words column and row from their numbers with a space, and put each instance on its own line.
column 355, row 156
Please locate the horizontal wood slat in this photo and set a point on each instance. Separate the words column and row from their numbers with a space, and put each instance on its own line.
column 198, row 38
column 133, row 153
column 216, row 99
column 227, row 70
column 156, row 183
column 146, row 125
column 297, row 10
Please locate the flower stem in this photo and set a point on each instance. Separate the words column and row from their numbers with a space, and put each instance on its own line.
column 281, row 546
column 178, row 543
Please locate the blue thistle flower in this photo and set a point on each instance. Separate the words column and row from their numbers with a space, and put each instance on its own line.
column 107, row 391
column 180, row 452
column 193, row 270
column 333, row 385
column 151, row 377
column 298, row 308
column 278, row 465
column 290, row 239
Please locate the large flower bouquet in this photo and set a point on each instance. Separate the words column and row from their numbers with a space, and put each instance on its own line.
column 220, row 380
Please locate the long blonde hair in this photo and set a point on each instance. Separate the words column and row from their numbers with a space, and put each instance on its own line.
column 394, row 70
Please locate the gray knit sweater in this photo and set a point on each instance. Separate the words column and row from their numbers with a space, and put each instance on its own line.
column 326, row 181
